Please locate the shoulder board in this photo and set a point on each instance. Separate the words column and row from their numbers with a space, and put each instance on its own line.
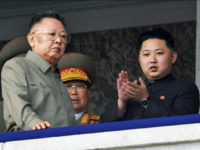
column 89, row 119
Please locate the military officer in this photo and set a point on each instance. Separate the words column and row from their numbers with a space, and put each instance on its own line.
column 78, row 73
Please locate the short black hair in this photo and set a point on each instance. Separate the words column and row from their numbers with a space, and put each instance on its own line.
column 46, row 14
column 157, row 33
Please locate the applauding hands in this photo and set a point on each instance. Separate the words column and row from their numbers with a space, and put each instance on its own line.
column 129, row 90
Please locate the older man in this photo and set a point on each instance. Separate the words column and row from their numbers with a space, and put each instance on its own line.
column 34, row 97
column 78, row 73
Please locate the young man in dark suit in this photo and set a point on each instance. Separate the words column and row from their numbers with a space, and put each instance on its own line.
column 159, row 94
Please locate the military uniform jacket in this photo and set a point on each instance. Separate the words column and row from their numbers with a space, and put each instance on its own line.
column 33, row 93
column 168, row 97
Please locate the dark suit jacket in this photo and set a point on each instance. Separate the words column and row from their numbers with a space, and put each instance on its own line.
column 168, row 97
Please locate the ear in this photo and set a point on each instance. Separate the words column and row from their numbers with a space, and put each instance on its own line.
column 174, row 56
column 139, row 58
column 30, row 39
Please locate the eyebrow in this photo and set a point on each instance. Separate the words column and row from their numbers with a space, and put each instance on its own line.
column 153, row 49
column 159, row 49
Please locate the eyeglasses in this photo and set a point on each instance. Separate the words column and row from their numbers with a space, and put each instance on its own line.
column 65, row 38
column 79, row 87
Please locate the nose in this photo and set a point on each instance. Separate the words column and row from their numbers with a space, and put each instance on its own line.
column 153, row 58
column 58, row 38
column 73, row 90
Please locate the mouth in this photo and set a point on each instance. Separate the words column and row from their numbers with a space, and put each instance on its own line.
column 56, row 49
column 153, row 68
column 75, row 101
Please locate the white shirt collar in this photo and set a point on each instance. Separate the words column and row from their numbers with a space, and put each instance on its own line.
column 78, row 115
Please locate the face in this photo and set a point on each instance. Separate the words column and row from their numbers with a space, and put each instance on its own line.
column 79, row 94
column 156, row 59
column 47, row 38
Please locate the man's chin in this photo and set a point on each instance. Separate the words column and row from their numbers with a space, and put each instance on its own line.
column 154, row 77
column 56, row 57
column 76, row 104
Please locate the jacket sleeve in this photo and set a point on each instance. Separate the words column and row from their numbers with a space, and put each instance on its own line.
column 17, row 107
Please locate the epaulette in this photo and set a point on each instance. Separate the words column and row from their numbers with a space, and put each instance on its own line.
column 89, row 119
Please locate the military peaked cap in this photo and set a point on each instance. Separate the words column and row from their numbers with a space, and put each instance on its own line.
column 13, row 48
column 77, row 66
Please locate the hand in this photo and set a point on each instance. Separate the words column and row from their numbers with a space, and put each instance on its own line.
column 122, row 97
column 123, row 78
column 41, row 125
column 136, row 91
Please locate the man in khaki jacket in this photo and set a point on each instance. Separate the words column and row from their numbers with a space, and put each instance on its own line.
column 33, row 94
